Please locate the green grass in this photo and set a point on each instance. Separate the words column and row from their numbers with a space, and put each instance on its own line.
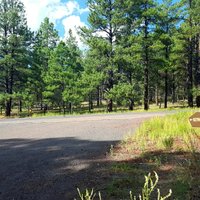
column 164, row 130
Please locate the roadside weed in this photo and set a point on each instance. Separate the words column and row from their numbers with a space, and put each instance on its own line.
column 149, row 187
column 87, row 195
column 147, row 190
column 111, row 150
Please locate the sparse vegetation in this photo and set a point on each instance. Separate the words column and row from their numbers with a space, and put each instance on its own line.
column 149, row 187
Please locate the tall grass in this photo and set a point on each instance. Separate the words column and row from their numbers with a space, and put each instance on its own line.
column 164, row 130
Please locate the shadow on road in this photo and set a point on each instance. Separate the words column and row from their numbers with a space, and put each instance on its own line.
column 49, row 168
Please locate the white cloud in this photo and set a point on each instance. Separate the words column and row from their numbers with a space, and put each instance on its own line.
column 67, row 13
column 73, row 22
column 37, row 10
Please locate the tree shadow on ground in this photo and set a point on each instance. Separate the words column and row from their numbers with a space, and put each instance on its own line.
column 177, row 170
column 50, row 168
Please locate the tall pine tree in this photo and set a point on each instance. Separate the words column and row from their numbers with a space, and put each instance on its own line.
column 14, row 43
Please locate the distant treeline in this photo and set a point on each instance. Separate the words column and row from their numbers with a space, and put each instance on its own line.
column 136, row 52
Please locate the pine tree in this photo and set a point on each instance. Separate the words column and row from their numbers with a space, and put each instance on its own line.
column 168, row 18
column 143, row 16
column 64, row 68
column 196, row 26
column 91, row 78
column 45, row 41
column 187, row 50
column 14, row 47
column 103, row 31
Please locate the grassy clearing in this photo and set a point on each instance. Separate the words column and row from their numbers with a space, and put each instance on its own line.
column 167, row 145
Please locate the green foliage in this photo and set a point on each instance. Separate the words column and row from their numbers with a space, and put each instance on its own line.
column 91, row 77
column 15, row 41
column 46, row 40
column 196, row 91
column 137, row 51
column 123, row 93
column 61, row 77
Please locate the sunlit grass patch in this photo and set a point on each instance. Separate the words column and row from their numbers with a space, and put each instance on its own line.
column 165, row 132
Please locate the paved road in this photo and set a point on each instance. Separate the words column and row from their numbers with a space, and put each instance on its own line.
column 48, row 158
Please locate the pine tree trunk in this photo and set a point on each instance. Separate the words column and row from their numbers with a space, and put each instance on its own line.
column 198, row 101
column 146, row 89
column 20, row 105
column 166, row 74
column 190, row 66
column 110, row 105
column 156, row 95
column 98, row 96
column 8, row 107
column 197, row 68
column 146, row 68
column 166, row 89
column 190, row 76
column 131, row 105
column 41, row 105
column 90, row 103
column 9, row 90
column 110, row 72
column 110, row 86
column 70, row 108
column 64, row 111
column 173, row 89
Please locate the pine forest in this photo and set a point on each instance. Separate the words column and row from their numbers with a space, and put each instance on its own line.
column 137, row 53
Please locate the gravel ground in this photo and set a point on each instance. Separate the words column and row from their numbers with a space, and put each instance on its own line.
column 48, row 158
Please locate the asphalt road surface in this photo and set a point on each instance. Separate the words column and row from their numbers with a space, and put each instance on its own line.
column 48, row 158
